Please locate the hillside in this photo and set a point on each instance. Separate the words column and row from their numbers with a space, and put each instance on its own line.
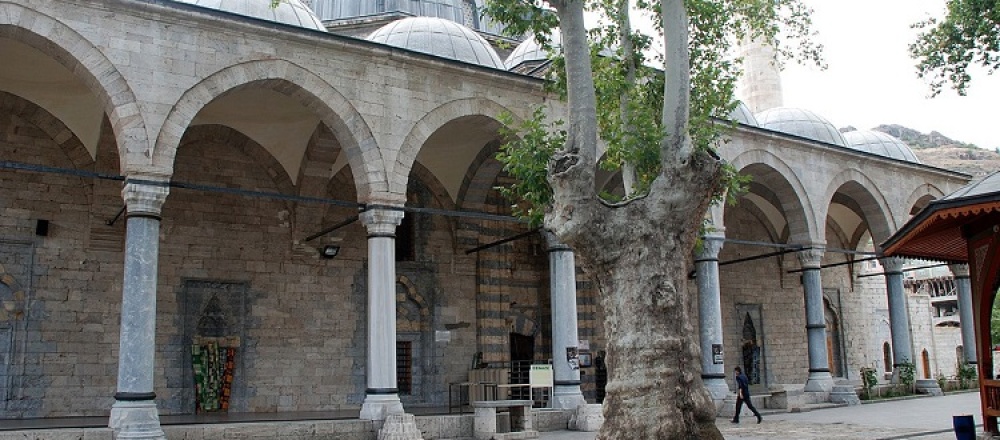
column 938, row 150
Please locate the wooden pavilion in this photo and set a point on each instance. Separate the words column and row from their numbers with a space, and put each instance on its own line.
column 964, row 227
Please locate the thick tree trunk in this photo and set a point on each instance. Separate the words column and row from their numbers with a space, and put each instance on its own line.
column 638, row 252
column 638, row 255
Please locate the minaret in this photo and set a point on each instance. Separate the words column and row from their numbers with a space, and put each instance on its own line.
column 760, row 85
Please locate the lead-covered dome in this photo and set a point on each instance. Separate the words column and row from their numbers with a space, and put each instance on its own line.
column 530, row 54
column 440, row 37
column 879, row 143
column 743, row 115
column 800, row 122
column 290, row 12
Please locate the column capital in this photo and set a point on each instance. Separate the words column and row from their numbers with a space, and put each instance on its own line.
column 381, row 221
column 812, row 256
column 710, row 247
column 144, row 196
column 959, row 270
column 892, row 265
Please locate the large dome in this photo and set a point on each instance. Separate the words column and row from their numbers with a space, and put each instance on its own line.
column 801, row 122
column 291, row 12
column 529, row 51
column 440, row 37
column 879, row 143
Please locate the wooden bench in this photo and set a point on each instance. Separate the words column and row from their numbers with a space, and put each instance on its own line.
column 521, row 423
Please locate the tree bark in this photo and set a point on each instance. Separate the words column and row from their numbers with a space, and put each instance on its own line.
column 638, row 255
column 638, row 252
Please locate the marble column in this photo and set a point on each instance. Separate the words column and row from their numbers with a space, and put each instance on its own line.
column 899, row 316
column 382, row 394
column 565, row 333
column 134, row 414
column 713, row 371
column 964, row 286
column 820, row 379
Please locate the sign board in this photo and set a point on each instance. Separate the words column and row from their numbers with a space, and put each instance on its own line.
column 717, row 354
column 540, row 376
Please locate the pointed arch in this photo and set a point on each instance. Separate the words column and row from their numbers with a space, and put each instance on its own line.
column 430, row 123
column 299, row 84
column 862, row 192
column 69, row 48
column 789, row 194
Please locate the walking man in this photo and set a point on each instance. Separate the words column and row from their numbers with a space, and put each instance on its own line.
column 743, row 395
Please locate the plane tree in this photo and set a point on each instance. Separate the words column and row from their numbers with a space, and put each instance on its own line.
column 661, row 129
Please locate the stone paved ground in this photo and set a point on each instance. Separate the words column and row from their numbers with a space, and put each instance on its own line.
column 926, row 418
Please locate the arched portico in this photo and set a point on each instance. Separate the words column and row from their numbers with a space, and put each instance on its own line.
column 299, row 84
column 81, row 56
column 790, row 196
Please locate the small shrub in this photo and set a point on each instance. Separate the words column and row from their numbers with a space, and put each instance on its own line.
column 966, row 375
column 869, row 380
column 907, row 374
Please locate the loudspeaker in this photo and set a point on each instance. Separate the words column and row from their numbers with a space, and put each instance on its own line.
column 41, row 228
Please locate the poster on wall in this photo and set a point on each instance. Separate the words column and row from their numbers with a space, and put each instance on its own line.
column 572, row 356
column 717, row 354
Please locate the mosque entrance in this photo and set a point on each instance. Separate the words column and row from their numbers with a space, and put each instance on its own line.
column 751, row 344
column 522, row 353
column 834, row 352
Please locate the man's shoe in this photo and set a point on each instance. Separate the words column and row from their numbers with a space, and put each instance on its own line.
column 759, row 418
column 734, row 421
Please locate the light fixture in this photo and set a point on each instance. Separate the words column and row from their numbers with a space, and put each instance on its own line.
column 329, row 251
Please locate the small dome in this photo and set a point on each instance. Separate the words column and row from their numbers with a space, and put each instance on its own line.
column 800, row 122
column 290, row 12
column 743, row 115
column 439, row 37
column 879, row 143
column 529, row 51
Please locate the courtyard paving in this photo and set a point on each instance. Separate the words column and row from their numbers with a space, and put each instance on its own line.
column 924, row 418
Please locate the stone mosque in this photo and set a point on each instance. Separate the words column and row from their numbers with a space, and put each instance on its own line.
column 219, row 207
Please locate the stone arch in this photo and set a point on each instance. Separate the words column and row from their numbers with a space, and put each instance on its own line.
column 79, row 55
column 299, row 84
column 788, row 190
column 407, row 293
column 68, row 142
column 430, row 123
column 237, row 140
column 871, row 203
column 921, row 196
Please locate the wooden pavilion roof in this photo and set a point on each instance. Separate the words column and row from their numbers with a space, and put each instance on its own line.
column 936, row 232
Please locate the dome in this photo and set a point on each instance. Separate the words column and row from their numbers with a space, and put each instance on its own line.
column 743, row 115
column 454, row 10
column 529, row 51
column 439, row 37
column 879, row 143
column 290, row 12
column 800, row 122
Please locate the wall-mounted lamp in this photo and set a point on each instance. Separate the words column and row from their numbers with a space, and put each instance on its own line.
column 329, row 251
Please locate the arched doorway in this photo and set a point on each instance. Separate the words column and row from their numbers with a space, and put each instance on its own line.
column 750, row 350
column 925, row 359
column 834, row 351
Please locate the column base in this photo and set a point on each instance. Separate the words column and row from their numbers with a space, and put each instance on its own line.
column 567, row 397
column 136, row 420
column 928, row 386
column 399, row 427
column 379, row 406
column 819, row 382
